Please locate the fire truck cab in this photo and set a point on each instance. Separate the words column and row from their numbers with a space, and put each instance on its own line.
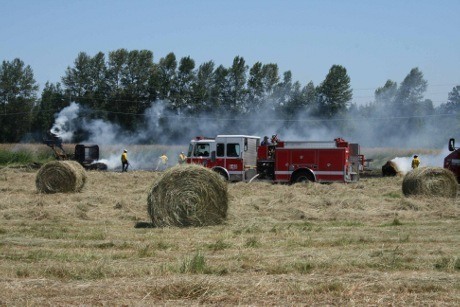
column 232, row 156
column 452, row 161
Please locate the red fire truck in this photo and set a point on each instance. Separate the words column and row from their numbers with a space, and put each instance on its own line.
column 452, row 161
column 242, row 158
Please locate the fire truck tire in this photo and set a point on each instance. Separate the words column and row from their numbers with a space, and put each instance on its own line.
column 222, row 173
column 302, row 177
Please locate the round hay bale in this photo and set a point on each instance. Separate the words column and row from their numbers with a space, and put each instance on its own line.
column 60, row 177
column 390, row 169
column 430, row 181
column 188, row 195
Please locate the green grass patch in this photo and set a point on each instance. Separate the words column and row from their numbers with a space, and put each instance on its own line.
column 393, row 195
column 194, row 265
column 346, row 224
column 23, row 156
column 252, row 242
column 218, row 245
column 447, row 264
column 395, row 222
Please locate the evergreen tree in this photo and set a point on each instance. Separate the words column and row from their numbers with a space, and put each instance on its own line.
column 453, row 100
column 18, row 90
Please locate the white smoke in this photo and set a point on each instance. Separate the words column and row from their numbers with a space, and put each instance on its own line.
column 64, row 122
column 161, row 126
column 404, row 164
column 102, row 132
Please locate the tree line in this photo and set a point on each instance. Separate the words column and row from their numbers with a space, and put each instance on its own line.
column 121, row 86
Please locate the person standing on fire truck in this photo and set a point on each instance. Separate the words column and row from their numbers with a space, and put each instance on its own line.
column 124, row 161
column 265, row 142
column 415, row 162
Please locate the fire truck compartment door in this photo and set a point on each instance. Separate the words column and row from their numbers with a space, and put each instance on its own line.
column 331, row 160
column 304, row 157
column 282, row 160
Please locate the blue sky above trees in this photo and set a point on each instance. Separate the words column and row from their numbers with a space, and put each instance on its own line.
column 374, row 40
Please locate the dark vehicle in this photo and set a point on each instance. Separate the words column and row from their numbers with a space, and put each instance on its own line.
column 86, row 155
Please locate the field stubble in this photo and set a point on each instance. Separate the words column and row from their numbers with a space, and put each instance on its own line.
column 315, row 244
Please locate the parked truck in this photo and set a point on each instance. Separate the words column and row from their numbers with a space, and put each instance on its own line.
column 452, row 161
column 243, row 158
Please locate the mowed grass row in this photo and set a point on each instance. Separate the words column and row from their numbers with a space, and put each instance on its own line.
column 362, row 243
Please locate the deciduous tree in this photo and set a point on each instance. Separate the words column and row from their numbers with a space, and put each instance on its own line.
column 334, row 92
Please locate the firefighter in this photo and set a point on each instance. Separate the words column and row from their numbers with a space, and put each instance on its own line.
column 275, row 139
column 162, row 162
column 182, row 158
column 415, row 162
column 265, row 142
column 124, row 161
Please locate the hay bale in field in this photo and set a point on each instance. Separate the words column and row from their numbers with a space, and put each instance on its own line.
column 60, row 177
column 390, row 169
column 188, row 195
column 430, row 181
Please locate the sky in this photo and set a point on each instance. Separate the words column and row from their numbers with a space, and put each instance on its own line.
column 374, row 40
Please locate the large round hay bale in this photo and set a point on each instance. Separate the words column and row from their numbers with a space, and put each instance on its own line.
column 188, row 195
column 60, row 177
column 430, row 181
column 390, row 169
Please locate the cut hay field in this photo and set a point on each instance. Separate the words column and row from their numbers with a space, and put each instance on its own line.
column 315, row 244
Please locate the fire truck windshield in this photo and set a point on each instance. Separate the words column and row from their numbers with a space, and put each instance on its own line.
column 202, row 150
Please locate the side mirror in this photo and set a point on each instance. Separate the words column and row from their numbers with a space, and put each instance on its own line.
column 452, row 144
column 213, row 156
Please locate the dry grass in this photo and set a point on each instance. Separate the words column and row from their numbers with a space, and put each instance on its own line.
column 335, row 244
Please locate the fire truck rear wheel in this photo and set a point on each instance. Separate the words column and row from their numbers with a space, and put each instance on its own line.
column 301, row 178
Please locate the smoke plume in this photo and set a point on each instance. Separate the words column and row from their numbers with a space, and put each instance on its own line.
column 163, row 127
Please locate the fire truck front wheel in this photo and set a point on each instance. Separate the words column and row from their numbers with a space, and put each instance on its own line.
column 222, row 173
column 301, row 177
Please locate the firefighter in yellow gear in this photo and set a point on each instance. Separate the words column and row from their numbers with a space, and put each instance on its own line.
column 124, row 161
column 182, row 158
column 162, row 162
column 415, row 162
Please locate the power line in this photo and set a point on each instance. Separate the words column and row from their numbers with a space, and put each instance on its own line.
column 181, row 117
